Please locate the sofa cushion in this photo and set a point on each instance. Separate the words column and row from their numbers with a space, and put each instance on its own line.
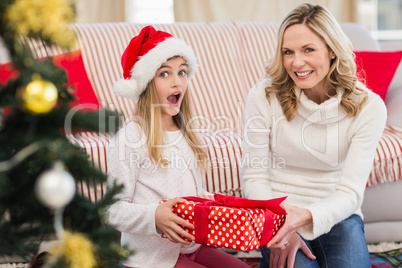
column 387, row 165
column 377, row 68
column 224, row 153
column 95, row 145
column 258, row 41
column 74, row 66
column 72, row 63
column 7, row 72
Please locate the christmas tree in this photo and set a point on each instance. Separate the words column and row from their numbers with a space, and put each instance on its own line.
column 39, row 167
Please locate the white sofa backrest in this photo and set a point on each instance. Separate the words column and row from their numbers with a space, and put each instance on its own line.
column 218, row 47
column 232, row 57
column 362, row 40
column 360, row 37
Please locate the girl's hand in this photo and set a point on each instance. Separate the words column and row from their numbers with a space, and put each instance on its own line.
column 169, row 223
column 279, row 256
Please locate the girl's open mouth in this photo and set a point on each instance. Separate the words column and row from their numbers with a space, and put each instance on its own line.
column 174, row 98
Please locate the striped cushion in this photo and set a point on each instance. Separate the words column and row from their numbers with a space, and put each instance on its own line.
column 388, row 159
column 232, row 56
column 40, row 49
column 94, row 144
column 224, row 152
column 259, row 41
column 102, row 46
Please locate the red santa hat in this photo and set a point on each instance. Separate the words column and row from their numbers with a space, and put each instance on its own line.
column 144, row 55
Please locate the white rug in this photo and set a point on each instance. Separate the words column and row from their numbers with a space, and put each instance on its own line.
column 383, row 247
column 13, row 265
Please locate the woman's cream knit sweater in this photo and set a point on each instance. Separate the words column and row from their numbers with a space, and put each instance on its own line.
column 321, row 159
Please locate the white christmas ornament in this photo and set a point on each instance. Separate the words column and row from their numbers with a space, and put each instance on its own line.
column 55, row 188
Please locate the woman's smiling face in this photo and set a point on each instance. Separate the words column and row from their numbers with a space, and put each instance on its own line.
column 306, row 57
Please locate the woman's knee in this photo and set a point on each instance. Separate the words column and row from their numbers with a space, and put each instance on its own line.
column 301, row 260
column 344, row 246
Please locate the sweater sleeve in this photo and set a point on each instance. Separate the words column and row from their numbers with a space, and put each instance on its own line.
column 255, row 171
column 365, row 134
column 124, row 215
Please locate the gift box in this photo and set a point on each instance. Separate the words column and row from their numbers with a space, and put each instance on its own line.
column 232, row 222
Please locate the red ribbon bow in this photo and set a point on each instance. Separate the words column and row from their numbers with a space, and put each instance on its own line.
column 201, row 213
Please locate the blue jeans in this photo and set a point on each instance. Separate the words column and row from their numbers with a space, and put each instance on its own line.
column 344, row 246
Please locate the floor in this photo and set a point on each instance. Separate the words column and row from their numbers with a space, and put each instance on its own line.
column 382, row 255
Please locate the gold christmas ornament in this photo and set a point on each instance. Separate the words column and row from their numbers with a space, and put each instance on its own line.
column 76, row 249
column 38, row 97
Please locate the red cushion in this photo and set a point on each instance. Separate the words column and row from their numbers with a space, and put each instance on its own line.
column 377, row 68
column 74, row 66
column 6, row 72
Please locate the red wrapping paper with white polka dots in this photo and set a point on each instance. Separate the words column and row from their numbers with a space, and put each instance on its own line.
column 240, row 228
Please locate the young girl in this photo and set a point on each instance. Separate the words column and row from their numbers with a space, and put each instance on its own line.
column 157, row 157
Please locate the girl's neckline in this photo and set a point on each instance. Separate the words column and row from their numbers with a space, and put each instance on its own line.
column 171, row 131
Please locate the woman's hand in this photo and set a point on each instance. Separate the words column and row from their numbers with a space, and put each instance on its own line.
column 169, row 223
column 279, row 256
column 286, row 242
column 296, row 217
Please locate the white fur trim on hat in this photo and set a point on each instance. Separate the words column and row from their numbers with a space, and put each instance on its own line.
column 127, row 88
column 145, row 68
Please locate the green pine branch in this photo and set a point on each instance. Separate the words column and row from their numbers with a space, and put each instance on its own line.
column 30, row 144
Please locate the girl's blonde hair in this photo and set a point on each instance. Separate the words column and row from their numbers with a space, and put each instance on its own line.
column 342, row 72
column 149, row 117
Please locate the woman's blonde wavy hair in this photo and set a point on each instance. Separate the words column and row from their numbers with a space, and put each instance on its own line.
column 342, row 72
column 149, row 117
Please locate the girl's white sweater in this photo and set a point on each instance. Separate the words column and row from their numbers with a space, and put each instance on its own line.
column 321, row 159
column 145, row 185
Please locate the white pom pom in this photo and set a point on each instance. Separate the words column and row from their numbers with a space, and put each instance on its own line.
column 127, row 88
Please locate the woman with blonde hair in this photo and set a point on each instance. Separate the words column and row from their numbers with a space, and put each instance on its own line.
column 313, row 113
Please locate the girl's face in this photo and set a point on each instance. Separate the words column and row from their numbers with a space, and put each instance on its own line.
column 171, row 84
column 306, row 57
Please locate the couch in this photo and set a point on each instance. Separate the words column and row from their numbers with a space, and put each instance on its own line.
column 232, row 57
